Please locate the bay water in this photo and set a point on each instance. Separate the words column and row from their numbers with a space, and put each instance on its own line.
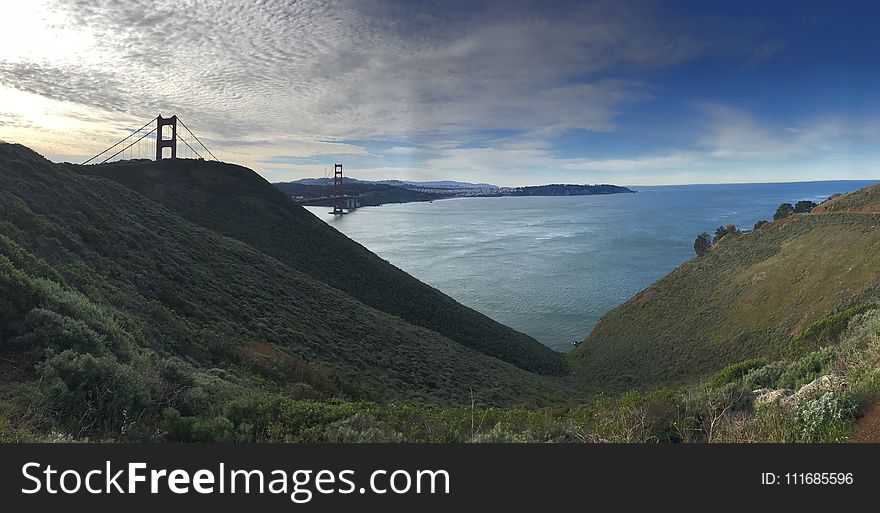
column 551, row 267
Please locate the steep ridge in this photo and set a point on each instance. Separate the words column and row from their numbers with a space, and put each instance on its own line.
column 749, row 297
column 83, row 254
column 865, row 200
column 238, row 203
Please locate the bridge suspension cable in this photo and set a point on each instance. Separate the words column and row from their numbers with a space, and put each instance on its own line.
column 135, row 149
column 191, row 148
column 196, row 138
column 120, row 142
column 127, row 147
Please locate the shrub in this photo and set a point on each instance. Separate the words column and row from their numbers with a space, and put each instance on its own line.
column 9, row 431
column 634, row 417
column 805, row 206
column 829, row 329
column 826, row 419
column 702, row 244
column 18, row 294
column 197, row 429
column 501, row 435
column 764, row 377
column 362, row 427
column 784, row 210
column 47, row 329
column 806, row 369
column 735, row 371
column 93, row 395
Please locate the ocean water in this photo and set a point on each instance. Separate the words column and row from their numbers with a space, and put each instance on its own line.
column 552, row 266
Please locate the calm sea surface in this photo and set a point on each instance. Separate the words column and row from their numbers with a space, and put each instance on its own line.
column 552, row 266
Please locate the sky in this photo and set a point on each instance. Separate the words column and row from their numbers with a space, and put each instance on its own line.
column 512, row 92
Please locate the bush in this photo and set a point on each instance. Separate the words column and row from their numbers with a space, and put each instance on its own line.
column 766, row 376
column 829, row 329
column 784, row 210
column 91, row 395
column 499, row 435
column 634, row 417
column 829, row 418
column 197, row 429
column 18, row 295
column 9, row 431
column 806, row 369
column 47, row 329
column 736, row 371
column 362, row 427
column 804, row 207
column 702, row 244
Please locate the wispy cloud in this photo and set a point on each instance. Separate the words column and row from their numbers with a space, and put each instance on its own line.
column 436, row 88
column 735, row 133
column 335, row 71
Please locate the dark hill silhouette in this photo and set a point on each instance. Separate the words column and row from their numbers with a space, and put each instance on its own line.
column 238, row 203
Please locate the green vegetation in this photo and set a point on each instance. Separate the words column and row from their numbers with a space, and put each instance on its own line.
column 865, row 200
column 755, row 295
column 735, row 371
column 804, row 207
column 729, row 407
column 827, row 330
column 236, row 202
column 191, row 301
column 116, row 310
column 785, row 210
column 703, row 244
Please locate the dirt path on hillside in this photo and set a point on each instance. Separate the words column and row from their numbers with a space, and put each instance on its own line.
column 868, row 427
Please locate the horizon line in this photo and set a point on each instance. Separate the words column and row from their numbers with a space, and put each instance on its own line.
column 598, row 183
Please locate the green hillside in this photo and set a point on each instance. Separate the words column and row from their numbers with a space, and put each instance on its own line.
column 865, row 200
column 236, row 202
column 114, row 307
column 192, row 301
column 749, row 297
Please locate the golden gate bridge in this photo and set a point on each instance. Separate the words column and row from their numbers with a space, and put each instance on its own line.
column 159, row 142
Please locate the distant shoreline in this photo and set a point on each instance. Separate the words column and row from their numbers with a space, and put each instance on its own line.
column 364, row 194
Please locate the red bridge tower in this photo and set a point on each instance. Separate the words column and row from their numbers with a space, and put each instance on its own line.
column 163, row 142
column 338, row 192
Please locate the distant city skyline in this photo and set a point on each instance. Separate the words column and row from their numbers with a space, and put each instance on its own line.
column 510, row 93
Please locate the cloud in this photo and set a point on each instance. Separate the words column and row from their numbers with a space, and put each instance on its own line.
column 337, row 71
column 674, row 160
column 738, row 134
column 448, row 89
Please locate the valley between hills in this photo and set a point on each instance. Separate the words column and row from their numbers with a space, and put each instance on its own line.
column 185, row 300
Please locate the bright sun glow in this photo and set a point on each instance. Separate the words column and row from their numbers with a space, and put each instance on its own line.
column 32, row 32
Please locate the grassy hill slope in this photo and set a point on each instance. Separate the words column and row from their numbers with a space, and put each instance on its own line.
column 749, row 297
column 103, row 289
column 238, row 203
column 865, row 200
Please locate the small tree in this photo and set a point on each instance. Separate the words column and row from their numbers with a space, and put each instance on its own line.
column 720, row 232
column 760, row 224
column 702, row 244
column 804, row 207
column 784, row 210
